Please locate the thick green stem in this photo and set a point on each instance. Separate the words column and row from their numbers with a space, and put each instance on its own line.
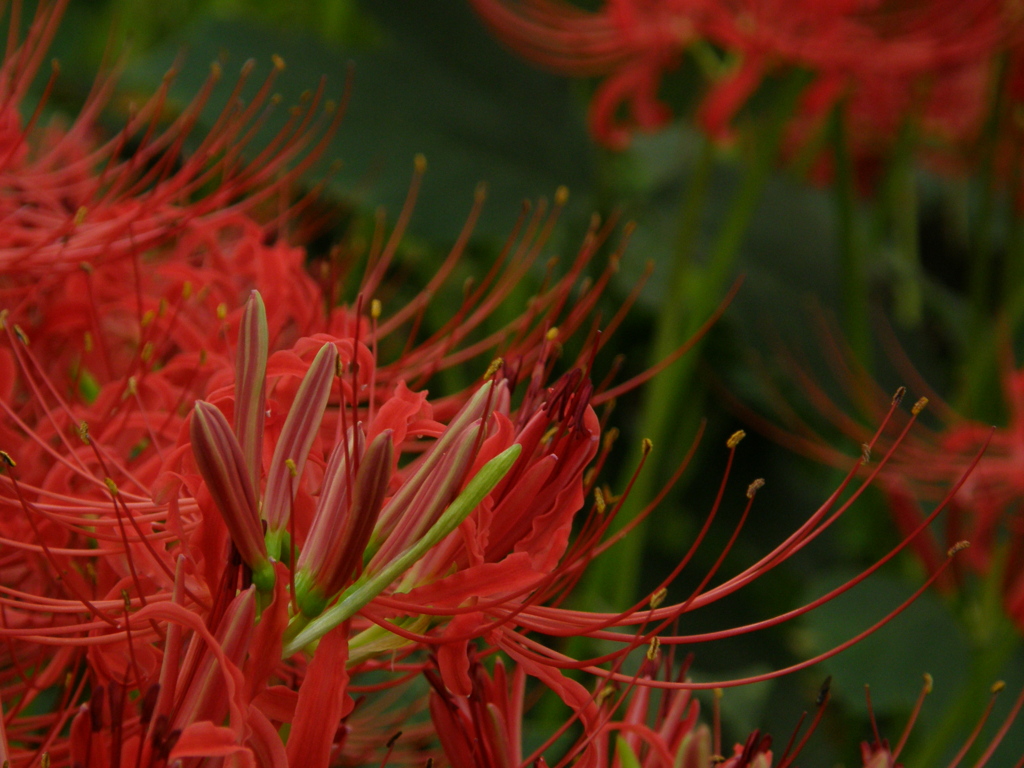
column 853, row 272
column 672, row 405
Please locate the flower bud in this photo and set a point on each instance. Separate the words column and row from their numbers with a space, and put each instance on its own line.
column 343, row 521
column 222, row 466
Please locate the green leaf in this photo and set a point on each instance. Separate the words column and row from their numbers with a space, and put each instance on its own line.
column 436, row 84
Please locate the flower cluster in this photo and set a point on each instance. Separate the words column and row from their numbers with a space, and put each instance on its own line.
column 929, row 66
column 232, row 532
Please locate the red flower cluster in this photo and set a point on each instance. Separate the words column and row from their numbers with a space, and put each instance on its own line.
column 232, row 534
column 930, row 62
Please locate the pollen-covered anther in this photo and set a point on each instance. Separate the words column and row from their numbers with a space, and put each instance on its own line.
column 754, row 487
column 492, row 369
column 375, row 309
column 602, row 695
column 735, row 438
column 552, row 334
column 653, row 648
column 420, row 163
column 278, row 62
column 82, row 430
column 960, row 546
column 5, row 457
column 599, row 502
column 865, row 452
column 646, row 446
column 658, row 597
column 919, row 406
column 928, row 683
column 222, row 311
column 562, row 195
column 898, row 395
column 293, row 470
column 111, row 486
column 21, row 335
column 998, row 686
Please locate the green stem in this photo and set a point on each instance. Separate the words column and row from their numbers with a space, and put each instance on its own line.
column 853, row 273
column 982, row 266
column 693, row 293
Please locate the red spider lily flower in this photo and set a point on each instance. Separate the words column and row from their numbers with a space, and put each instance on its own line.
column 138, row 582
column 72, row 199
column 847, row 46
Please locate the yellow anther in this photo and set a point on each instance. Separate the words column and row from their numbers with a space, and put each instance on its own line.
column 603, row 695
column 735, row 438
column 919, row 406
column 754, row 487
column 552, row 334
column 561, row 195
column 21, row 335
column 147, row 352
column 111, row 486
column 865, row 453
column 5, row 457
column 898, row 395
column 646, row 446
column 652, row 649
column 186, row 290
column 278, row 62
column 419, row 163
column 222, row 311
column 493, row 367
column 599, row 501
column 960, row 546
column 87, row 341
column 80, row 214
column 928, row 683
column 148, row 317
column 375, row 309
column 609, row 438
column 998, row 686
column 292, row 469
column 658, row 597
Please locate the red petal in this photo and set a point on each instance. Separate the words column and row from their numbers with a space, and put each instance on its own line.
column 323, row 701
